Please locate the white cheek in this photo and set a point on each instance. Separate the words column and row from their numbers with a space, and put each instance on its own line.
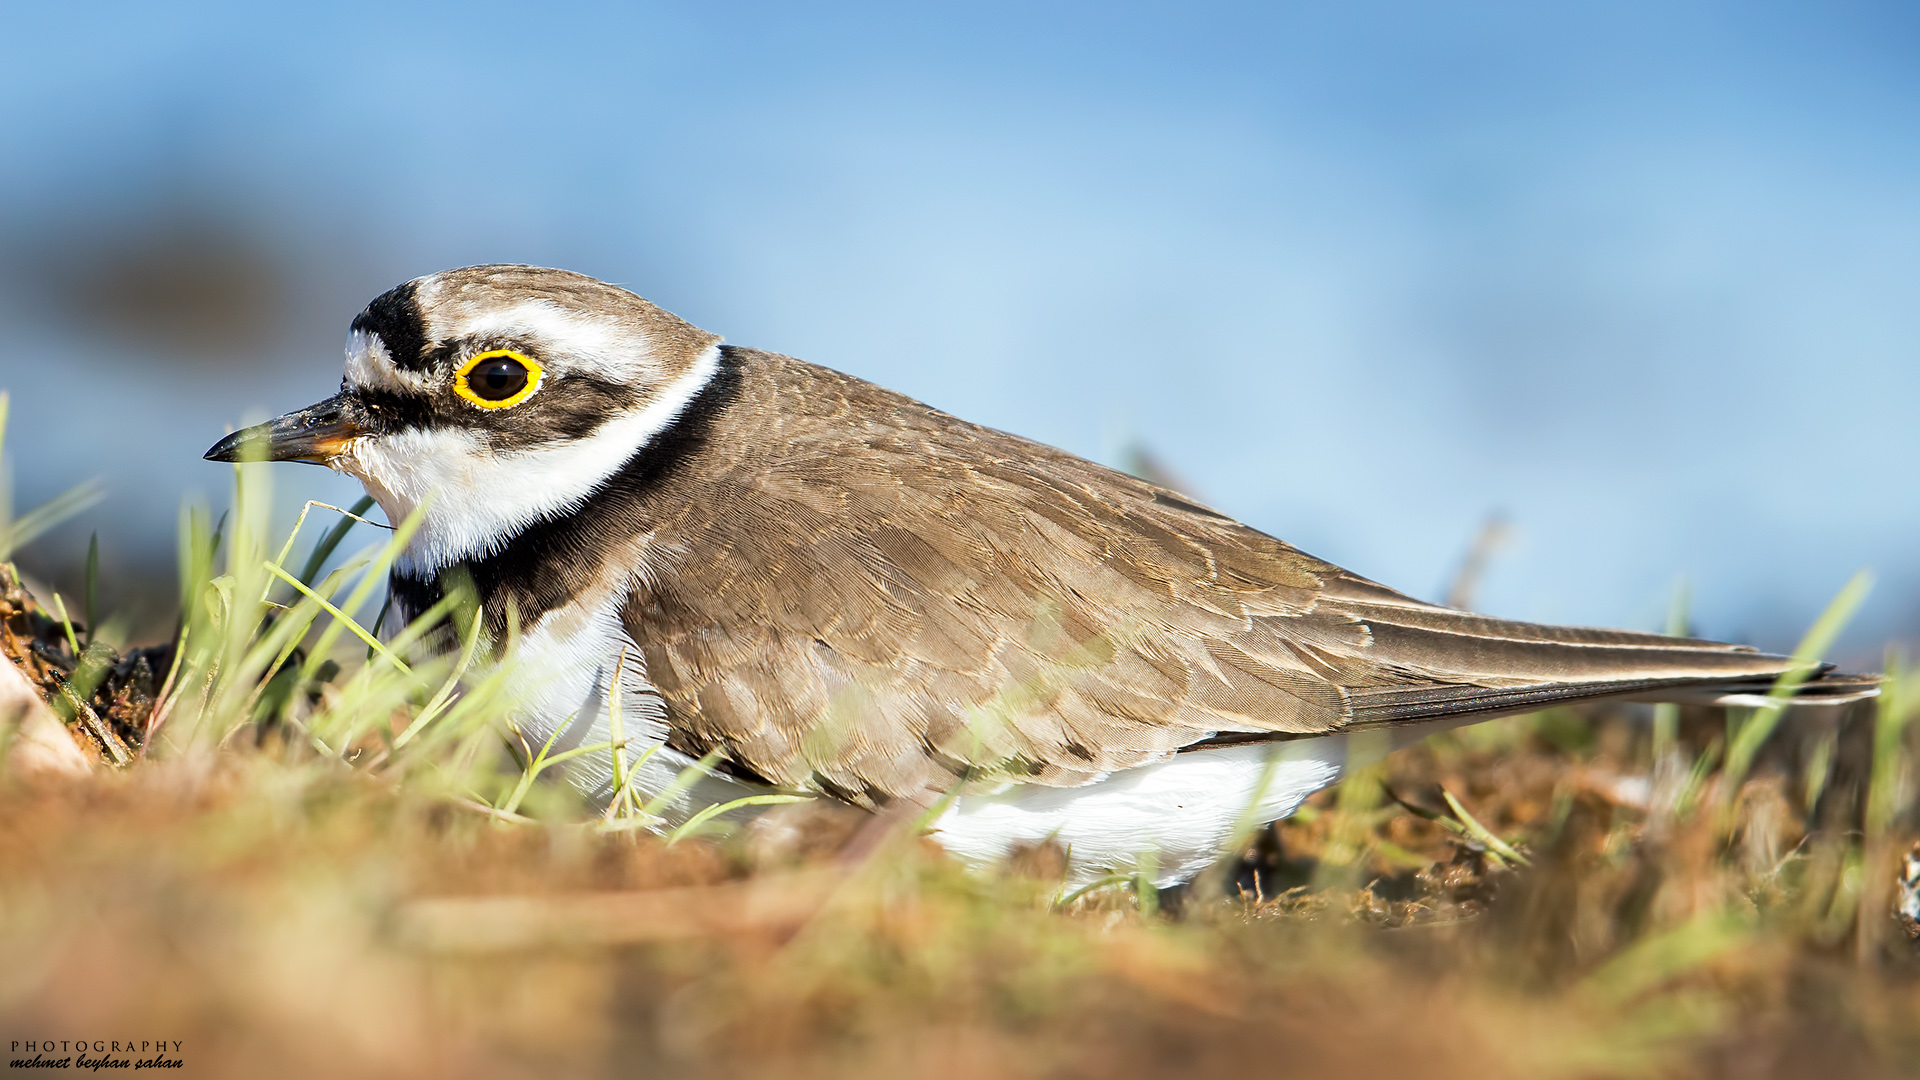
column 402, row 471
column 480, row 499
column 475, row 499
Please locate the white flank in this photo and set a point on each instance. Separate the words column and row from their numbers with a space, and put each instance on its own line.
column 481, row 498
column 1180, row 812
column 568, row 663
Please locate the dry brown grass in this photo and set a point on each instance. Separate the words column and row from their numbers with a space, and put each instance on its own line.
column 286, row 916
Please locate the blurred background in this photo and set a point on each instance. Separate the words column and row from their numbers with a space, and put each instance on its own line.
column 1641, row 280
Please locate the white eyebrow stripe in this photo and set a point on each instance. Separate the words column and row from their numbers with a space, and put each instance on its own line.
column 585, row 340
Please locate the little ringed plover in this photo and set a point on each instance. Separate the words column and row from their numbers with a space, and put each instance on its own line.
column 841, row 591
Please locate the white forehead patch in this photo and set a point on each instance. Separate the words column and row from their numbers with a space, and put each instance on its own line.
column 369, row 364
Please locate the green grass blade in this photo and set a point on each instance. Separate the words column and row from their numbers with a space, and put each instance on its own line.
column 1893, row 712
column 438, row 702
column 693, row 824
column 32, row 524
column 617, row 728
column 1746, row 743
column 342, row 617
column 681, row 783
column 90, row 589
column 1483, row 834
column 330, row 541
column 1105, row 881
column 621, row 805
column 375, row 576
column 66, row 624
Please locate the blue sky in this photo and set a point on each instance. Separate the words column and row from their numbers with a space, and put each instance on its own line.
column 1642, row 277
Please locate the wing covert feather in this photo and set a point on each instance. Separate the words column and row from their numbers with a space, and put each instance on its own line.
column 885, row 597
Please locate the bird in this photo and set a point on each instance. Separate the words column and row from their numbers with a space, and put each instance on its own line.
column 791, row 580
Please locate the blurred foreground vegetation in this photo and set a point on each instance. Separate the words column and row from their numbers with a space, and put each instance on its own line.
column 303, row 853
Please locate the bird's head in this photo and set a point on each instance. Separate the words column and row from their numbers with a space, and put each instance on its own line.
column 496, row 395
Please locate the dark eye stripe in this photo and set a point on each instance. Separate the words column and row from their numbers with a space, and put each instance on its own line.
column 568, row 407
column 391, row 411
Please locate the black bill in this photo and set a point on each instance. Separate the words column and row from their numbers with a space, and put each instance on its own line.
column 316, row 434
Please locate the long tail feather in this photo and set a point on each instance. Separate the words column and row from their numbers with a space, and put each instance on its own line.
column 1460, row 663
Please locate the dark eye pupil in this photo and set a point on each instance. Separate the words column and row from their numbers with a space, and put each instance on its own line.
column 498, row 379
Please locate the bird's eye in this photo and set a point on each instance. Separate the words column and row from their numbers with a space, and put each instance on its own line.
column 497, row 379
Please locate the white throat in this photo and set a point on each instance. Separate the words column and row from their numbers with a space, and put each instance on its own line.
column 478, row 499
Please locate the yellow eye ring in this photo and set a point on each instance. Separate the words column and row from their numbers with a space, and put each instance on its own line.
column 512, row 386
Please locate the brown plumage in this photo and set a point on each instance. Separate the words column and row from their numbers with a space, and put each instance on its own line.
column 841, row 589
column 878, row 595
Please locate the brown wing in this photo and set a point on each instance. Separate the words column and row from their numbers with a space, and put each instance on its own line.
column 875, row 597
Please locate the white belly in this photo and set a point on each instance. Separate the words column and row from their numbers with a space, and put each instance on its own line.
column 1179, row 812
